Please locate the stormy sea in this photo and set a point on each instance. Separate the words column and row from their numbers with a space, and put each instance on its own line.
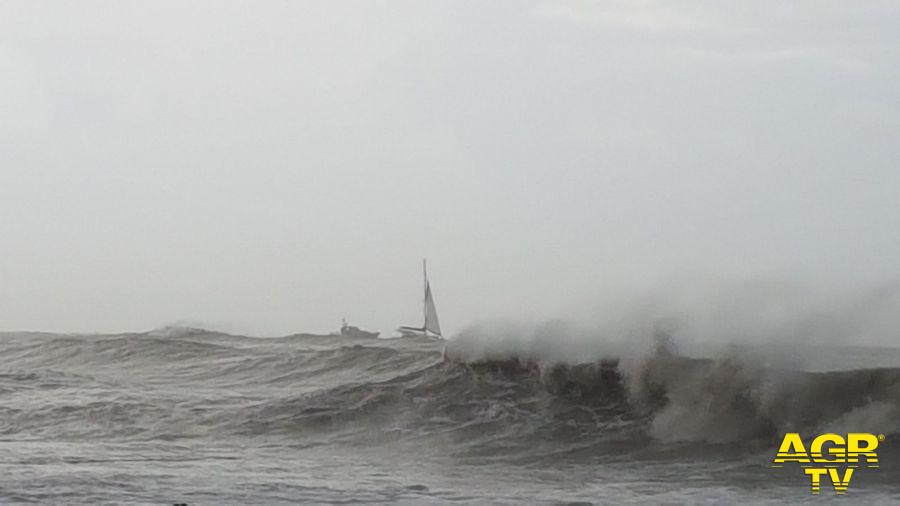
column 185, row 415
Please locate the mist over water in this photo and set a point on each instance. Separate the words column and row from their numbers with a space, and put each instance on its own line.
column 779, row 319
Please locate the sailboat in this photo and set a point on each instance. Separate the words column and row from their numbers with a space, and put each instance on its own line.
column 431, row 327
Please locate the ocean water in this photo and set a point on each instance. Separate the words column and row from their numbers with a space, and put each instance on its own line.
column 199, row 417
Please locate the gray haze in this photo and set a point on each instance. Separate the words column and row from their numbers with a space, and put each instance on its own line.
column 275, row 166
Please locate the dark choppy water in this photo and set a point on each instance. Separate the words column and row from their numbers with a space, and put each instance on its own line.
column 207, row 418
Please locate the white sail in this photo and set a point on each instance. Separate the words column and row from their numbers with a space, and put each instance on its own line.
column 431, row 325
column 431, row 318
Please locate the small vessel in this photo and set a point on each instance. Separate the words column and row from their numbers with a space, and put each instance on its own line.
column 431, row 327
column 348, row 330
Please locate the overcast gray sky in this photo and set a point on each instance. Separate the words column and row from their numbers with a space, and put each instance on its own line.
column 275, row 166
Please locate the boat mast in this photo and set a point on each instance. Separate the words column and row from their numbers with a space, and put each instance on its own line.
column 424, row 297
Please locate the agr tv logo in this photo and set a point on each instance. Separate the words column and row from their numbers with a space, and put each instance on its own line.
column 830, row 456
